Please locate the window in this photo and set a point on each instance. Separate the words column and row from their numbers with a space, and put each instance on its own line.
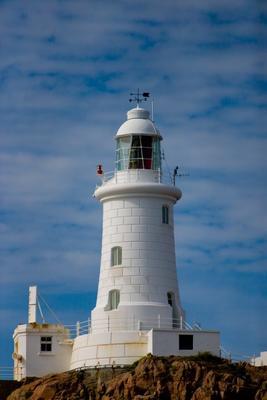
column 170, row 297
column 113, row 299
column 175, row 315
column 116, row 256
column 185, row 342
column 138, row 152
column 46, row 343
column 165, row 214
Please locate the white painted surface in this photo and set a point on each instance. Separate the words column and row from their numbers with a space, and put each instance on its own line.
column 148, row 269
column 32, row 304
column 138, row 122
column 123, row 347
column 108, row 348
column 261, row 360
column 116, row 190
column 166, row 342
column 29, row 360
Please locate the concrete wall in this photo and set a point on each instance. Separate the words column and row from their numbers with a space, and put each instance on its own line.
column 108, row 348
column 165, row 343
column 261, row 360
column 124, row 348
column 148, row 269
column 29, row 360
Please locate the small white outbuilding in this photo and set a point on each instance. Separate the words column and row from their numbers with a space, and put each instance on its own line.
column 261, row 360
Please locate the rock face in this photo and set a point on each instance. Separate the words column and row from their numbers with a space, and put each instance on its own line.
column 154, row 378
column 6, row 387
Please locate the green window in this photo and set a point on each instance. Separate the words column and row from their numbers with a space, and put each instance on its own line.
column 116, row 256
column 165, row 214
column 113, row 299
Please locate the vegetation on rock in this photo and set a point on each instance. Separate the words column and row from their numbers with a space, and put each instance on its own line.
column 202, row 377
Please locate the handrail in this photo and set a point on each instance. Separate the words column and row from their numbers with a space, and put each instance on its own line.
column 132, row 175
column 127, row 324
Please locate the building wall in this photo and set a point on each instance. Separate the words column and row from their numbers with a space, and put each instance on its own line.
column 261, row 360
column 121, row 348
column 108, row 348
column 165, row 343
column 29, row 360
column 148, row 269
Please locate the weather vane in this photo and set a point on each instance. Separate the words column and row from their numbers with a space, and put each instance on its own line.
column 139, row 97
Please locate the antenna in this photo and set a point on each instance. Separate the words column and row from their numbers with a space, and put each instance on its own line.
column 35, row 302
column 139, row 97
column 175, row 174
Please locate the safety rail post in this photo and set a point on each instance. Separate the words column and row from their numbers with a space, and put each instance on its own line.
column 78, row 327
column 108, row 323
column 181, row 322
column 158, row 320
column 139, row 325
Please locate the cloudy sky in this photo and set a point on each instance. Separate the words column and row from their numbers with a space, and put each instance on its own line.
column 67, row 68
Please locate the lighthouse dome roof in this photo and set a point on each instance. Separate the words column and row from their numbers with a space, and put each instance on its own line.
column 138, row 123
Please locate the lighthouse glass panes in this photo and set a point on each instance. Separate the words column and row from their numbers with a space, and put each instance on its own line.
column 138, row 152
column 116, row 256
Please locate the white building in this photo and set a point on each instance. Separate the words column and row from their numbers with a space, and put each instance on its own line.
column 259, row 361
column 40, row 348
column 138, row 308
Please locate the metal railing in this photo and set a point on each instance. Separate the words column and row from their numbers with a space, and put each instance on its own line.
column 235, row 357
column 127, row 324
column 135, row 175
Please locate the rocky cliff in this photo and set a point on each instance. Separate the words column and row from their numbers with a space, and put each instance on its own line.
column 154, row 378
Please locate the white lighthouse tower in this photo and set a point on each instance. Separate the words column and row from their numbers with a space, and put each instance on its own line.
column 138, row 308
column 138, row 279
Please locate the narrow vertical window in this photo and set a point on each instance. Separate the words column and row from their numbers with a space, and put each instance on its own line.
column 46, row 343
column 113, row 299
column 170, row 297
column 116, row 256
column 165, row 214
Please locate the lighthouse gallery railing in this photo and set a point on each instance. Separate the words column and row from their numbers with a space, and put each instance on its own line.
column 136, row 175
column 127, row 324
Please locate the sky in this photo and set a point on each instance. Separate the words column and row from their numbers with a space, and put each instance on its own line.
column 67, row 68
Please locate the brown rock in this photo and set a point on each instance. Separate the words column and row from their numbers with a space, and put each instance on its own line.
column 153, row 378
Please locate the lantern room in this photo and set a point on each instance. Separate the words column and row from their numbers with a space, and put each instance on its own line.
column 138, row 143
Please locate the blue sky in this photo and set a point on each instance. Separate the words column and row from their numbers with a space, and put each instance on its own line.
column 66, row 72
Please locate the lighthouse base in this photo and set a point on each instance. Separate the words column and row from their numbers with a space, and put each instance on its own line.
column 125, row 347
column 108, row 348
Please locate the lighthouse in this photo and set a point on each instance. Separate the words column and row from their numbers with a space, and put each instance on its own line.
column 138, row 280
column 138, row 308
